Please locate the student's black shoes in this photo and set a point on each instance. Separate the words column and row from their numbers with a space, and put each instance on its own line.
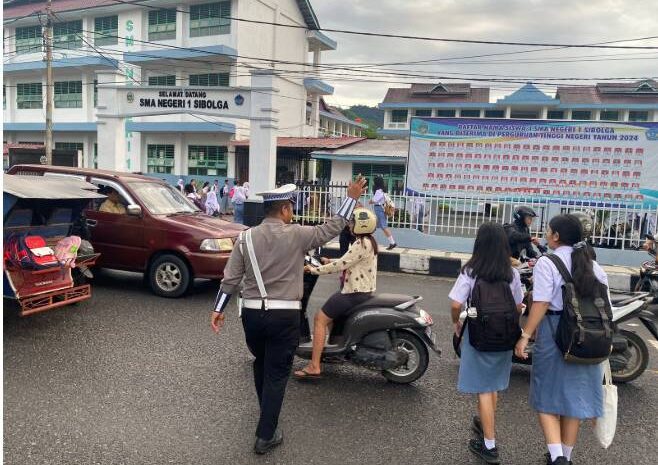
column 557, row 461
column 262, row 446
column 391, row 247
column 488, row 455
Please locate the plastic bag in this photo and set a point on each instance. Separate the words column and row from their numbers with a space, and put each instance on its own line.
column 605, row 427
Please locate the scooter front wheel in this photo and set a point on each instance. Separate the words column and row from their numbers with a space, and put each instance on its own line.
column 417, row 359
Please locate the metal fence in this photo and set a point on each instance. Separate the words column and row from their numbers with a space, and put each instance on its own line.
column 614, row 225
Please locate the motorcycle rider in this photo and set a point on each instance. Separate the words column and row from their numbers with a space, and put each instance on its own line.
column 360, row 267
column 518, row 233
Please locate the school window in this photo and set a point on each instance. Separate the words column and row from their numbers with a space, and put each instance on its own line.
column 207, row 160
column 106, row 30
column 524, row 114
column 309, row 113
column 494, row 113
column 470, row 113
column 160, row 158
column 638, row 116
column 209, row 80
column 95, row 92
column 169, row 80
column 609, row 115
column 162, row 24
column 68, row 94
column 67, row 35
column 29, row 96
column 555, row 114
column 423, row 112
column 210, row 19
column 28, row 39
column 445, row 113
column 95, row 159
column 71, row 146
column 399, row 116
column 393, row 175
column 581, row 114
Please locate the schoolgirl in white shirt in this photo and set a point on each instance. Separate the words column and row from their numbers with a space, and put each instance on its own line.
column 562, row 393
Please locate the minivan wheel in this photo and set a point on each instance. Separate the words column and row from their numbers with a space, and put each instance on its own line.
column 169, row 276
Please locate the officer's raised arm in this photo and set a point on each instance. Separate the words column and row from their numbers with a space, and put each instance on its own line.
column 233, row 273
column 312, row 237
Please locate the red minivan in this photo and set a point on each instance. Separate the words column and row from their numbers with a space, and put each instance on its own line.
column 161, row 234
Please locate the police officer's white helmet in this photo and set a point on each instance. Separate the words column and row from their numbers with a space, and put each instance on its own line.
column 364, row 221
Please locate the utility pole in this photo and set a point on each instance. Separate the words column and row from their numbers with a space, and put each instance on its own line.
column 49, row 84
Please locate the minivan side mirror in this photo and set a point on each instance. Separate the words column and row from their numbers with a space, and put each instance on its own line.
column 134, row 210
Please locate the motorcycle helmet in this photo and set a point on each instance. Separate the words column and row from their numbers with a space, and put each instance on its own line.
column 521, row 212
column 586, row 222
column 364, row 221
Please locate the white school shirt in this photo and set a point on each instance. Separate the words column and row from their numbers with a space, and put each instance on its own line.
column 547, row 281
column 461, row 291
column 379, row 198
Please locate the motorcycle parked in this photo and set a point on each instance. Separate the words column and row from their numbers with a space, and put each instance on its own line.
column 630, row 354
column 388, row 333
column 649, row 274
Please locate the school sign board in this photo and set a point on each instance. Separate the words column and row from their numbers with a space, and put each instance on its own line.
column 599, row 161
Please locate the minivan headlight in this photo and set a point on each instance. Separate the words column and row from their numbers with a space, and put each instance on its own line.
column 217, row 245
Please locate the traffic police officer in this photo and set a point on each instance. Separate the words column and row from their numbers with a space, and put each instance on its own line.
column 270, row 258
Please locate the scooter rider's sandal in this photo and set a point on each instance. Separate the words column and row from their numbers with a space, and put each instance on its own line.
column 306, row 375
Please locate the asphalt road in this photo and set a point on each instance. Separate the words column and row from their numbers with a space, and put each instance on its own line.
column 130, row 378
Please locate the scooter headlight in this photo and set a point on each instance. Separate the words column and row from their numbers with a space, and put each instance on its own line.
column 425, row 318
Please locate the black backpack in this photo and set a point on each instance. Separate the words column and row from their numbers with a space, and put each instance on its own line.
column 584, row 333
column 496, row 326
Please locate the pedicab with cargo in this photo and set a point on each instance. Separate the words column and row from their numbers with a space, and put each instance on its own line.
column 46, row 258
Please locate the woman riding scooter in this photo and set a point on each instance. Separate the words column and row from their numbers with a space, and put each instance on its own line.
column 360, row 267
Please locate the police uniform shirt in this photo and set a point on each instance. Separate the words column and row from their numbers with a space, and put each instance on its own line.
column 547, row 281
column 279, row 249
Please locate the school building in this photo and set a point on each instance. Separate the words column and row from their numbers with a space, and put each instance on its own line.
column 188, row 43
column 609, row 101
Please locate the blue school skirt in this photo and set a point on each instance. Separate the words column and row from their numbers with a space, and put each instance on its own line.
column 561, row 388
column 481, row 372
column 382, row 220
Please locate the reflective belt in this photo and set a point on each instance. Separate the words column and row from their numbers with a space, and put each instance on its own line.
column 272, row 304
column 256, row 269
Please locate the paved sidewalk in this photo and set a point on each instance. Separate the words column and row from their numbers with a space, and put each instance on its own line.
column 448, row 264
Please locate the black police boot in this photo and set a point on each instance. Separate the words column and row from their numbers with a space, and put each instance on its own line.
column 488, row 455
column 262, row 446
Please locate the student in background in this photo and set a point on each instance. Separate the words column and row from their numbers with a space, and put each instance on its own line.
column 379, row 200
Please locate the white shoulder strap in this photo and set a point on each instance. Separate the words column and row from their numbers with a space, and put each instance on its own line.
column 256, row 268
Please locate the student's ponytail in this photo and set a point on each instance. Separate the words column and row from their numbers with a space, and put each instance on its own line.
column 570, row 230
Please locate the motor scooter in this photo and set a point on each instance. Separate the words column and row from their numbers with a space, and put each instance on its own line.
column 630, row 354
column 649, row 274
column 388, row 333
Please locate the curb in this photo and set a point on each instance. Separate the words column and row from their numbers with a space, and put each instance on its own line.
column 448, row 265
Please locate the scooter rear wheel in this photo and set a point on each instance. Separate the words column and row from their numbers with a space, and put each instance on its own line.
column 639, row 358
column 418, row 359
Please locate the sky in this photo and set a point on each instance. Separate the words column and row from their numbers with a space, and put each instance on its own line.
column 537, row 21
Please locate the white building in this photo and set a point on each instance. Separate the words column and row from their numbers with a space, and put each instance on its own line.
column 162, row 43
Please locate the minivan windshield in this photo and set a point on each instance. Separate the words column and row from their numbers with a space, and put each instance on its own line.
column 161, row 199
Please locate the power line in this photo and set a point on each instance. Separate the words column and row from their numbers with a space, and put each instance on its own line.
column 412, row 37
